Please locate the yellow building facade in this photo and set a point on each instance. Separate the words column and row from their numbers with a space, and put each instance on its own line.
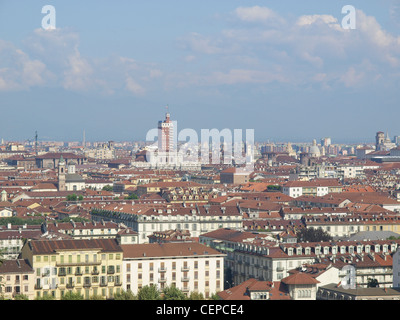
column 88, row 267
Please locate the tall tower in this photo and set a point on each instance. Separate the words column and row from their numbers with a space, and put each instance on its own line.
column 84, row 139
column 3, row 196
column 166, row 134
column 61, row 174
column 380, row 139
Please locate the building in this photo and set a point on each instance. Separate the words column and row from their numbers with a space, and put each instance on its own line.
column 254, row 289
column 145, row 219
column 234, row 176
column 68, row 180
column 334, row 292
column 318, row 187
column 191, row 267
column 88, row 267
column 301, row 286
column 16, row 278
column 50, row 160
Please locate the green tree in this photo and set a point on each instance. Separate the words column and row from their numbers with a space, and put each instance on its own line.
column 72, row 197
column 196, row 296
column 96, row 297
column 149, row 293
column 125, row 295
column 215, row 297
column 108, row 188
column 132, row 196
column 372, row 283
column 72, row 296
column 80, row 198
column 313, row 235
column 46, row 297
column 173, row 293
column 75, row 219
column 21, row 297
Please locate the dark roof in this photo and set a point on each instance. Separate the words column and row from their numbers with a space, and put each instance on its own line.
column 16, row 266
column 51, row 246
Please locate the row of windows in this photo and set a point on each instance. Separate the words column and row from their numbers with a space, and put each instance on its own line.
column 173, row 265
column 62, row 271
column 86, row 258
column 173, row 277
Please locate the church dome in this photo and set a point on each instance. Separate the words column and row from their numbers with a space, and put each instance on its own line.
column 314, row 150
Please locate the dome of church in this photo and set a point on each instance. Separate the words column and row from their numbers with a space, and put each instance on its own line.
column 314, row 150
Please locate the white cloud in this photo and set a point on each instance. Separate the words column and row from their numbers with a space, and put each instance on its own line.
column 257, row 14
column 134, row 87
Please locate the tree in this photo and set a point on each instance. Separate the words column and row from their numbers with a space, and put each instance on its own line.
column 372, row 283
column 196, row 296
column 125, row 295
column 80, row 198
column 107, row 188
column 149, row 293
column 46, row 297
column 214, row 296
column 21, row 297
column 132, row 196
column 96, row 297
column 313, row 235
column 72, row 197
column 72, row 296
column 173, row 293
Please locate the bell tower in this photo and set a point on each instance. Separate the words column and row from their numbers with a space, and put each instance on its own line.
column 61, row 174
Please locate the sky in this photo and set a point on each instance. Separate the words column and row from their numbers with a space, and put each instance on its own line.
column 289, row 69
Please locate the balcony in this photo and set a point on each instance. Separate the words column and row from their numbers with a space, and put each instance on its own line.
column 110, row 271
column 87, row 285
column 162, row 280
column 70, row 285
column 279, row 269
column 38, row 287
column 103, row 284
column 78, row 264
column 118, row 284
column 185, row 279
column 78, row 273
column 95, row 272
column 185, row 289
column 62, row 273
column 185, row 268
column 162, row 269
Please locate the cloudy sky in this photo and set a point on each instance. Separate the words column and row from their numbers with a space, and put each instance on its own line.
column 287, row 69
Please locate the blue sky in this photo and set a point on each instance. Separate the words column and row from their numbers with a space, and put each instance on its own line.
column 286, row 69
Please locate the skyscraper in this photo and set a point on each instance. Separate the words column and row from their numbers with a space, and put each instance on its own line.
column 166, row 135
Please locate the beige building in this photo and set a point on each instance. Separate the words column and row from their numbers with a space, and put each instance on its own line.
column 234, row 176
column 16, row 278
column 191, row 267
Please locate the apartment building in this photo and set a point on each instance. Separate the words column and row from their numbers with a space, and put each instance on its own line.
column 271, row 261
column 318, row 187
column 88, row 267
column 345, row 226
column 191, row 267
column 146, row 219
column 16, row 278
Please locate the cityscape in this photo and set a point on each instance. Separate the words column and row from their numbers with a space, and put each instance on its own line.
column 257, row 159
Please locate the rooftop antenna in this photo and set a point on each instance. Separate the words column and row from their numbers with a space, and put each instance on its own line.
column 36, row 143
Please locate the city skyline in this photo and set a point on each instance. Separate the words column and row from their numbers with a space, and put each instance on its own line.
column 289, row 71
